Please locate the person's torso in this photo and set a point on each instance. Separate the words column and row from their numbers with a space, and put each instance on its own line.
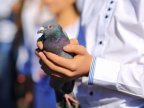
column 107, row 23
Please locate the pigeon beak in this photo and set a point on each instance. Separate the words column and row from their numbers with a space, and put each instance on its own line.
column 41, row 30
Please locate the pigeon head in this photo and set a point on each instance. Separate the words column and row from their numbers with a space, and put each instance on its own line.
column 51, row 30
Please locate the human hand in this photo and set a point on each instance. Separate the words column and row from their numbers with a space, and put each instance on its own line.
column 67, row 69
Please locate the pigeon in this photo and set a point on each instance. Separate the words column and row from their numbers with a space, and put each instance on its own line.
column 54, row 39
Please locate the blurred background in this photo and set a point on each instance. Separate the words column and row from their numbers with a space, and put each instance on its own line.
column 22, row 82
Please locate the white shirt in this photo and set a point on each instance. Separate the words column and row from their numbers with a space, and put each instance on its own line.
column 32, row 19
column 115, row 38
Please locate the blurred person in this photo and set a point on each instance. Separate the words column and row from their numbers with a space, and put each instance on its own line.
column 67, row 15
column 34, row 14
column 112, row 66
column 22, row 82
column 33, row 20
column 7, row 35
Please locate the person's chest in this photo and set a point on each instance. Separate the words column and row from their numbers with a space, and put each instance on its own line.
column 113, row 30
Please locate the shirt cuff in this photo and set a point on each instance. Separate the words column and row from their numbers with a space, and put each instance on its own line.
column 103, row 72
column 92, row 70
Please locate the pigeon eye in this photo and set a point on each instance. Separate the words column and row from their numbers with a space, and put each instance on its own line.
column 49, row 26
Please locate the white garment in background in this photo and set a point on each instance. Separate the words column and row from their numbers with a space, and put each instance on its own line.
column 5, row 8
column 32, row 19
column 7, row 28
column 7, row 31
column 72, row 30
column 115, row 38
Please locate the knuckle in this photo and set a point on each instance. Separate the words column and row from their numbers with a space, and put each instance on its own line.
column 74, row 47
column 57, row 60
column 73, row 67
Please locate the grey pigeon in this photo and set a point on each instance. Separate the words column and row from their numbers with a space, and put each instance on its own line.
column 54, row 39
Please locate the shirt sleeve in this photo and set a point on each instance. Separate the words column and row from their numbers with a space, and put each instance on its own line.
column 127, row 78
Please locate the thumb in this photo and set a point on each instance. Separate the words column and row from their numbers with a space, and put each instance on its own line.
column 40, row 43
column 76, row 49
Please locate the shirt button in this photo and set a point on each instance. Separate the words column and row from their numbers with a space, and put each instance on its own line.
column 112, row 2
column 91, row 93
column 109, row 9
column 106, row 16
column 100, row 42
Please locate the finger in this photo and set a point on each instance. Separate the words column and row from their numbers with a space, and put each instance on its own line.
column 40, row 43
column 74, row 41
column 50, row 72
column 58, row 70
column 61, row 61
column 37, row 50
column 45, row 68
column 77, row 49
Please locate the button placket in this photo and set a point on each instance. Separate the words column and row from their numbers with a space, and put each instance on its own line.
column 106, row 17
column 109, row 9
column 104, row 22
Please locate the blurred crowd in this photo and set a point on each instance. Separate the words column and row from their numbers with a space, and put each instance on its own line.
column 22, row 82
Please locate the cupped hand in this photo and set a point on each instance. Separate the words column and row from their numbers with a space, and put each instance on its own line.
column 67, row 69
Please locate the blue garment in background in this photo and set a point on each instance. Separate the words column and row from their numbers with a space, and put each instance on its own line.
column 81, row 35
column 44, row 94
column 5, row 76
